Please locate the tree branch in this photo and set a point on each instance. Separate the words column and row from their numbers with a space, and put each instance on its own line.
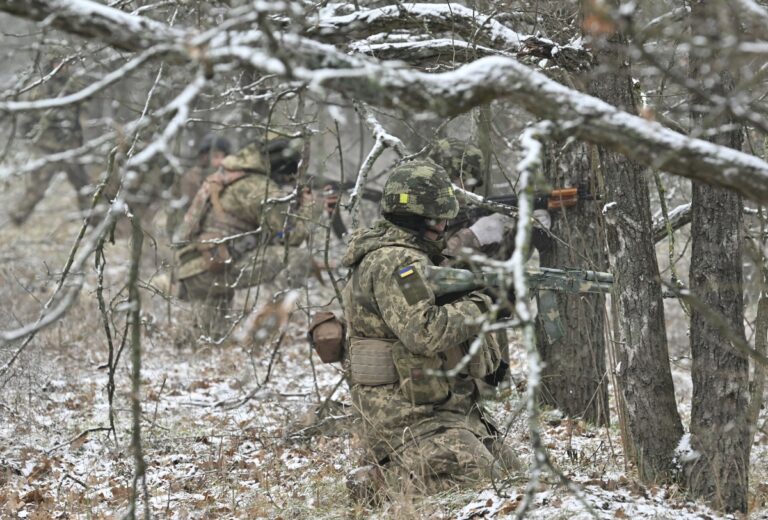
column 446, row 94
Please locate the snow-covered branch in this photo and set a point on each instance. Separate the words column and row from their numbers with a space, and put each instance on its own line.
column 482, row 33
column 441, row 50
column 93, row 20
column 463, row 21
column 90, row 90
column 447, row 94
column 754, row 10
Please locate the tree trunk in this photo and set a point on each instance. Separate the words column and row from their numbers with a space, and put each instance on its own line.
column 574, row 375
column 652, row 422
column 720, row 372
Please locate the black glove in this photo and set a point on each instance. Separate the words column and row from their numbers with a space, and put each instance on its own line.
column 496, row 377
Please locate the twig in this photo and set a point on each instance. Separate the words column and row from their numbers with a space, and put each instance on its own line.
column 76, row 437
column 231, row 404
column 134, row 298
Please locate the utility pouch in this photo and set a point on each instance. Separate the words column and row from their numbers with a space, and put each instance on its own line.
column 215, row 256
column 416, row 384
column 326, row 335
column 370, row 361
column 481, row 364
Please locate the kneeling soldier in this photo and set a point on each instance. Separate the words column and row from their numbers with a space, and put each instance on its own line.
column 415, row 421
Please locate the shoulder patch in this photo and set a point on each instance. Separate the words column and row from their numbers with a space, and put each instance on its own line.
column 411, row 284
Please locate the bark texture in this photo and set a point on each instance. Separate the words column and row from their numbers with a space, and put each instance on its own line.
column 719, row 416
column 643, row 373
column 574, row 378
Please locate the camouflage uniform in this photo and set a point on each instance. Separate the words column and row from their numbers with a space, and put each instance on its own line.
column 186, row 187
column 49, row 132
column 428, row 427
column 233, row 201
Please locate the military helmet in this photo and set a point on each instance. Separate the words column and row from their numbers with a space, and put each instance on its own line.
column 249, row 158
column 420, row 188
column 284, row 154
column 216, row 143
column 462, row 160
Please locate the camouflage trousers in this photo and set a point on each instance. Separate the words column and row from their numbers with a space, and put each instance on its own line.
column 450, row 457
column 37, row 184
column 211, row 294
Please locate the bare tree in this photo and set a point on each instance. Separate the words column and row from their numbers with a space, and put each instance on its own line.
column 251, row 57
column 719, row 426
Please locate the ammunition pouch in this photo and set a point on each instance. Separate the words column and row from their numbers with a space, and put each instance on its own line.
column 241, row 246
column 416, row 384
column 326, row 335
column 371, row 362
column 483, row 363
column 215, row 256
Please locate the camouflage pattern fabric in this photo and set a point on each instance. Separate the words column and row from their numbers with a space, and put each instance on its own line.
column 419, row 188
column 245, row 199
column 428, row 428
column 454, row 456
column 212, row 293
column 249, row 159
column 252, row 259
column 55, row 129
column 462, row 160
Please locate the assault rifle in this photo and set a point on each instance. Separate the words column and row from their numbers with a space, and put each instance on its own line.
column 448, row 283
column 556, row 199
column 447, row 280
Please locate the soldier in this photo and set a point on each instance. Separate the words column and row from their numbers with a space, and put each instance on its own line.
column 425, row 427
column 492, row 234
column 210, row 154
column 238, row 234
column 56, row 130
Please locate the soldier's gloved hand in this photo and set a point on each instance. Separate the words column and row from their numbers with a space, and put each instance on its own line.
column 496, row 377
column 306, row 197
column 543, row 219
column 483, row 301
column 330, row 198
column 490, row 229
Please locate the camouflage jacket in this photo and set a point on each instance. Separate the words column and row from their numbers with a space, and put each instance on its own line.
column 244, row 205
column 379, row 305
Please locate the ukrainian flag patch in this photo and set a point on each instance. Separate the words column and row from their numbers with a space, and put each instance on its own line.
column 412, row 285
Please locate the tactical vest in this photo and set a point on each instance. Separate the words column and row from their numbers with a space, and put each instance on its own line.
column 386, row 361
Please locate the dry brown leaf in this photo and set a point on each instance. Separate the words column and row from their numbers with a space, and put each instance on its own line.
column 197, row 385
column 79, row 441
column 509, row 507
column 121, row 492
column 598, row 25
column 39, row 470
column 33, row 497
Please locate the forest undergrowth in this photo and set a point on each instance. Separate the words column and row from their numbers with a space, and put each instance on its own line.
column 246, row 430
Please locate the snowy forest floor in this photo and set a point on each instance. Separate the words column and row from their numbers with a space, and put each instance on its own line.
column 211, row 451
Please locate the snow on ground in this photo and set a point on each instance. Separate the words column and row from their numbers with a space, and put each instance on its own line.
column 269, row 457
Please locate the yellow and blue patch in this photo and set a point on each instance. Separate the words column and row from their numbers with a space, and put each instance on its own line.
column 411, row 284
